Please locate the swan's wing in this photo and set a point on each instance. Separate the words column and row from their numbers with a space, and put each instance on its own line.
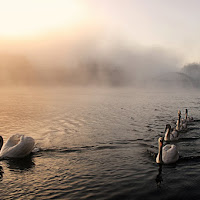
column 183, row 121
column 190, row 119
column 185, row 125
column 11, row 142
column 169, row 154
column 174, row 135
column 24, row 147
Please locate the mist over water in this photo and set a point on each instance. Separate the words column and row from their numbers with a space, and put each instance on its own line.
column 99, row 62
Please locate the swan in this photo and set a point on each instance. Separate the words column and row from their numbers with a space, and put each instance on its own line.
column 180, row 126
column 187, row 118
column 170, row 135
column 17, row 146
column 167, row 154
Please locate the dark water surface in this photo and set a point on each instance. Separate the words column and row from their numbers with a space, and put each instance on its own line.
column 98, row 144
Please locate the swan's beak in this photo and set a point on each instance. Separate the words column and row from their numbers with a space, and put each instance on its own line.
column 167, row 127
column 161, row 142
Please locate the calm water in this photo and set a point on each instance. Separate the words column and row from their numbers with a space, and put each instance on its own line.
column 98, row 144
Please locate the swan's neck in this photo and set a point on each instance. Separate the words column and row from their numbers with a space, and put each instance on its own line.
column 167, row 135
column 1, row 142
column 178, row 122
column 160, row 154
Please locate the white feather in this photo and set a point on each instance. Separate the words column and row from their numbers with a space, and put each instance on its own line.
column 17, row 146
column 169, row 153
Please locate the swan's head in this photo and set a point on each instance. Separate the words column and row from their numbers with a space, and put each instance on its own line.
column 160, row 141
column 1, row 142
column 168, row 126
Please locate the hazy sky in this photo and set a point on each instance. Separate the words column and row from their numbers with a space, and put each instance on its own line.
column 172, row 24
column 30, row 25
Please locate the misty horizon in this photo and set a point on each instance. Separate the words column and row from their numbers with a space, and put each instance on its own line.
column 119, row 67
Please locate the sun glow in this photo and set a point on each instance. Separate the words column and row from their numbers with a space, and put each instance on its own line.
column 30, row 17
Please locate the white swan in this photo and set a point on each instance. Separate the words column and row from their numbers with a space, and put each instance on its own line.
column 170, row 135
column 167, row 154
column 180, row 126
column 17, row 146
column 187, row 118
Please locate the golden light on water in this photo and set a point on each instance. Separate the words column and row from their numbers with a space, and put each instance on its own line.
column 32, row 17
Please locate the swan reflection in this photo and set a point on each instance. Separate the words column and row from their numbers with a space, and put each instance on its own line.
column 22, row 164
column 159, row 178
column 1, row 173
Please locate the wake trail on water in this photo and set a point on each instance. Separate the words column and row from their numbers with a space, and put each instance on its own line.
column 42, row 146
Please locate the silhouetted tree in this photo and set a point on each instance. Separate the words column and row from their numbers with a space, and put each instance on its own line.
column 193, row 70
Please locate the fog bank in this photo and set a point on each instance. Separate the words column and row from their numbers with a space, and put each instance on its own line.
column 90, row 60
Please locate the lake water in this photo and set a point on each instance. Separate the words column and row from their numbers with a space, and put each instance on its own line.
column 98, row 144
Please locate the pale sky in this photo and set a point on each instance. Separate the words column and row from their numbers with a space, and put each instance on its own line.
column 168, row 24
column 172, row 24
